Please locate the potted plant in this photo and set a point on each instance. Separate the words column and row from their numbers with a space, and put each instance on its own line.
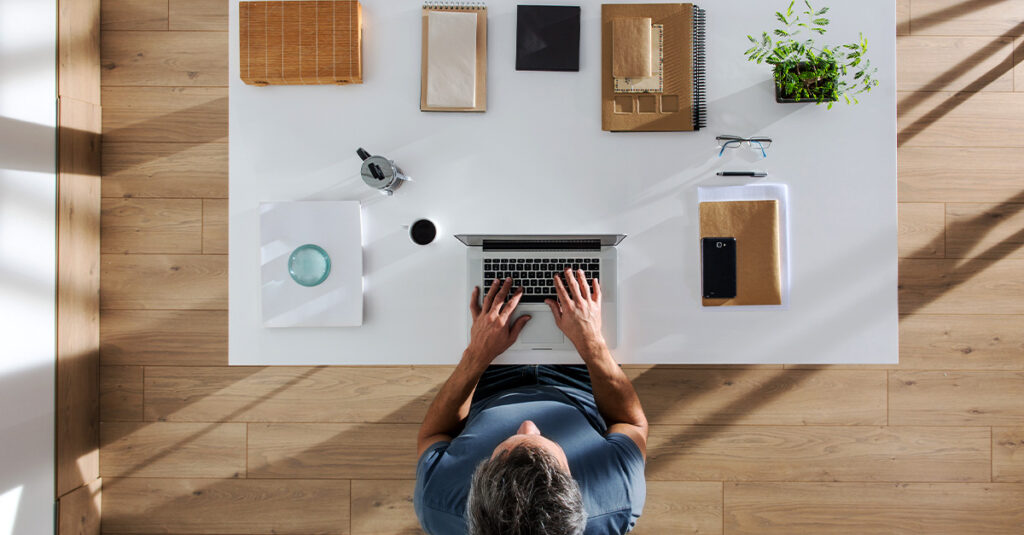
column 806, row 72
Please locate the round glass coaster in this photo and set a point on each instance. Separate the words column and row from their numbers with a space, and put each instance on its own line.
column 309, row 265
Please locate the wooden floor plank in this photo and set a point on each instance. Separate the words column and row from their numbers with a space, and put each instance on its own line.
column 79, row 511
column 292, row 394
column 961, row 286
column 956, row 398
column 176, row 450
column 152, row 226
column 383, row 506
column 120, row 393
column 164, row 337
column 165, row 58
column 954, row 63
column 193, row 282
column 133, row 15
column 681, row 507
column 818, row 453
column 208, row 15
column 922, row 230
column 873, row 508
column 215, row 226
column 194, row 115
column 964, row 342
column 946, row 119
column 179, row 170
column 762, row 397
column 902, row 17
column 985, row 230
column 76, row 405
column 935, row 174
column 1018, row 67
column 1008, row 454
column 975, row 17
column 332, row 451
column 226, row 506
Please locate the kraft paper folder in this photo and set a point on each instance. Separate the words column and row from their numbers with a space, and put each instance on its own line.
column 680, row 105
column 479, row 89
column 300, row 42
column 756, row 215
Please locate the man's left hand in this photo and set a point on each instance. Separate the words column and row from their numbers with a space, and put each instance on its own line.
column 492, row 333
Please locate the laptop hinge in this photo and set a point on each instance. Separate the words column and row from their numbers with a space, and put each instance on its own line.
column 542, row 245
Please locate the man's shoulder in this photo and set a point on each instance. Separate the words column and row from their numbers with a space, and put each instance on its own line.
column 439, row 497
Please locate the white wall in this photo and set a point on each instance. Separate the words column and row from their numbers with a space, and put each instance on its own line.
column 28, row 244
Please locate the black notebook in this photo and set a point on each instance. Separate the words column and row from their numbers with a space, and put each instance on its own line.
column 548, row 38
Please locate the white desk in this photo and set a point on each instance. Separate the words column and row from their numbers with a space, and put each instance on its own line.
column 514, row 168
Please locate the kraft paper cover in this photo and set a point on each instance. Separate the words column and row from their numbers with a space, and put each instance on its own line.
column 755, row 225
column 676, row 112
column 631, row 47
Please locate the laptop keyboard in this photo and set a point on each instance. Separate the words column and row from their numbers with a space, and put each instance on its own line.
column 536, row 275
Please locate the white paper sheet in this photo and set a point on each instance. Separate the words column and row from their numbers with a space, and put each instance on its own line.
column 759, row 192
column 451, row 59
column 336, row 227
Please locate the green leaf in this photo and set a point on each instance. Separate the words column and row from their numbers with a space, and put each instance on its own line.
column 751, row 37
column 820, row 22
column 781, row 33
column 822, row 11
column 821, row 31
column 782, row 18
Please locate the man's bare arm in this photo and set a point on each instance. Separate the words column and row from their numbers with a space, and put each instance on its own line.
column 492, row 333
column 448, row 411
column 615, row 396
column 578, row 315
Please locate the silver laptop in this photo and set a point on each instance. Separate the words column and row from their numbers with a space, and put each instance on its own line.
column 532, row 261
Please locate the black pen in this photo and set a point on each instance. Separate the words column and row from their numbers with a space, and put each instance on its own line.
column 743, row 173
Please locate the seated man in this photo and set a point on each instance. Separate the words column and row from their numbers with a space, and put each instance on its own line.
column 519, row 450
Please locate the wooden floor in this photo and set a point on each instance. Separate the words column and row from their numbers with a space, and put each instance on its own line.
column 934, row 445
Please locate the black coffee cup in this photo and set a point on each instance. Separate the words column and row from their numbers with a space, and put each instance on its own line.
column 423, row 232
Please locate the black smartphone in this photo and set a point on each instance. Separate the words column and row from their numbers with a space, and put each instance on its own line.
column 718, row 267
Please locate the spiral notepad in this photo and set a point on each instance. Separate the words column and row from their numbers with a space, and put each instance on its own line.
column 673, row 99
column 454, row 62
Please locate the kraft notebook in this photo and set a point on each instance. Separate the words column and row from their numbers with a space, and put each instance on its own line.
column 652, row 68
column 453, row 73
column 300, row 43
column 755, row 225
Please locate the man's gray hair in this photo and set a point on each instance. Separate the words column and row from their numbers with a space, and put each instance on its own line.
column 524, row 491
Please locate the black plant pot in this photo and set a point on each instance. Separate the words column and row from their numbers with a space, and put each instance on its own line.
column 790, row 100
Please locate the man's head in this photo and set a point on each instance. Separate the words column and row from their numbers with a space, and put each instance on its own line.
column 524, row 488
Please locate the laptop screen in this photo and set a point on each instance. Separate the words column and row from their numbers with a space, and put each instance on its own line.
column 540, row 241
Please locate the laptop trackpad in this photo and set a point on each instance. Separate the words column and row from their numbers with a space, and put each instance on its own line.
column 541, row 329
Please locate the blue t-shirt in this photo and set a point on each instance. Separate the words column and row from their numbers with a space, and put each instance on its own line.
column 609, row 469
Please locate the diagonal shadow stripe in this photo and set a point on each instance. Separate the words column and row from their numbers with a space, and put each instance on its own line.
column 961, row 96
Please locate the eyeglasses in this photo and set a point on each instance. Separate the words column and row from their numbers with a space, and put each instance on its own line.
column 735, row 142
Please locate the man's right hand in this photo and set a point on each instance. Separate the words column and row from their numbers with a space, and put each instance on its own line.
column 578, row 312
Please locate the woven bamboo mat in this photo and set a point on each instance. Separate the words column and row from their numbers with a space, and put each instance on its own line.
column 300, row 42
